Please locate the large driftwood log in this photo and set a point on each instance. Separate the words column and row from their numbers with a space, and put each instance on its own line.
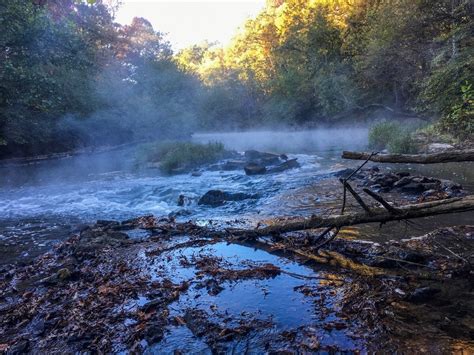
column 378, row 215
column 444, row 157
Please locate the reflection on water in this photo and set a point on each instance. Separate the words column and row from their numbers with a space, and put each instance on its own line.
column 276, row 300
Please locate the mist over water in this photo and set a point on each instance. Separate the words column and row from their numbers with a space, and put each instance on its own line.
column 291, row 141
column 44, row 203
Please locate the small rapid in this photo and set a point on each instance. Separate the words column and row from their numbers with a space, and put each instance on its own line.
column 44, row 203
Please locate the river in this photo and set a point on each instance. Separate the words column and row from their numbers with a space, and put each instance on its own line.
column 43, row 203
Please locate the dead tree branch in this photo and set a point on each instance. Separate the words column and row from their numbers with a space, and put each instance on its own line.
column 381, row 200
column 379, row 215
column 435, row 158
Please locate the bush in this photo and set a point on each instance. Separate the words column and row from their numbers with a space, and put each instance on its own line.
column 460, row 121
column 182, row 155
column 382, row 133
column 402, row 144
column 391, row 136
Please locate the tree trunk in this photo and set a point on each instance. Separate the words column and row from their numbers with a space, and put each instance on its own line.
column 444, row 157
column 378, row 215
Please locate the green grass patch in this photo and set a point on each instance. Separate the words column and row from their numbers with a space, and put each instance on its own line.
column 173, row 156
column 393, row 137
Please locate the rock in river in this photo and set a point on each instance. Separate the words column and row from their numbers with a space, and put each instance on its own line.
column 218, row 198
column 255, row 169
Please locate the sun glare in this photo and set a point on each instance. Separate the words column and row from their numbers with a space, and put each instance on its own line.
column 190, row 22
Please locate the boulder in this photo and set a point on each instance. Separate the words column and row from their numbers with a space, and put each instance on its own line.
column 256, row 155
column 413, row 187
column 255, row 169
column 344, row 173
column 402, row 182
column 218, row 198
column 289, row 164
column 232, row 165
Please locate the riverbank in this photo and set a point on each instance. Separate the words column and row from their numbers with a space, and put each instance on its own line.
column 138, row 284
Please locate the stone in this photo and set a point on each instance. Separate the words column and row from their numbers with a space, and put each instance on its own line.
column 413, row 187
column 255, row 169
column 218, row 198
column 344, row 173
column 255, row 155
column 232, row 165
column 402, row 182
column 289, row 164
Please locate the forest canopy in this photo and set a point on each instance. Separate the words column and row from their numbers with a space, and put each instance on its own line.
column 72, row 77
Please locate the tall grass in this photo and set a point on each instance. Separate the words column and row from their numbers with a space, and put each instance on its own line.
column 173, row 156
column 393, row 137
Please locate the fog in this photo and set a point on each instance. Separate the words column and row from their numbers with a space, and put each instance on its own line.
column 290, row 140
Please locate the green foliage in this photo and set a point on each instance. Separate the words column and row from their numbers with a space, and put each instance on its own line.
column 460, row 121
column 174, row 155
column 391, row 136
column 402, row 143
column 71, row 77
column 382, row 133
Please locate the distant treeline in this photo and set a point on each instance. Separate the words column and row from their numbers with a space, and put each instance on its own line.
column 71, row 77
column 304, row 61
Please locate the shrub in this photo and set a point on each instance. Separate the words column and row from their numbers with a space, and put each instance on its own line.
column 460, row 121
column 382, row 133
column 402, row 143
column 182, row 155
column 391, row 136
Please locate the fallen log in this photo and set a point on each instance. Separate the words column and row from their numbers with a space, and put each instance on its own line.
column 444, row 157
column 378, row 215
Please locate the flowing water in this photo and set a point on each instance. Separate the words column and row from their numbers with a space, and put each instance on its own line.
column 43, row 203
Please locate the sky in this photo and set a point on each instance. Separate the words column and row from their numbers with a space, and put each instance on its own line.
column 188, row 22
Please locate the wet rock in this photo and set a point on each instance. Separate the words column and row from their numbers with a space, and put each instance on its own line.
column 289, row 164
column 181, row 200
column 376, row 187
column 422, row 294
column 402, row 174
column 218, row 198
column 196, row 173
column 412, row 256
column 255, row 169
column 107, row 224
column 232, row 165
column 386, row 180
column 413, row 187
column 256, row 155
column 402, row 182
column 344, row 173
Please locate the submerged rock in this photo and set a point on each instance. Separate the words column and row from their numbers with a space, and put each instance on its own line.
column 218, row 198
